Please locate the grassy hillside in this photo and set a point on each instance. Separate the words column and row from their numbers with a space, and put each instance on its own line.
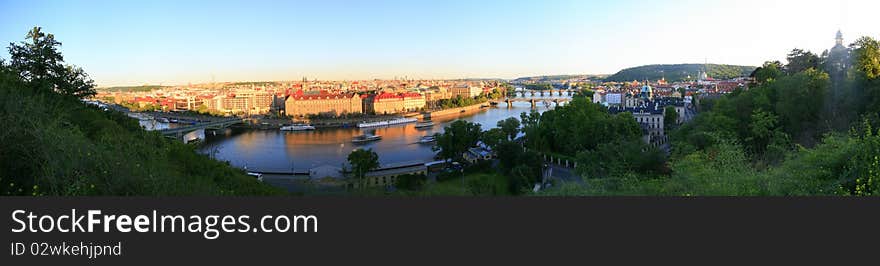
column 679, row 72
column 56, row 145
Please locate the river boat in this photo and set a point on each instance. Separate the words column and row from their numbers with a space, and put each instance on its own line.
column 365, row 138
column 387, row 122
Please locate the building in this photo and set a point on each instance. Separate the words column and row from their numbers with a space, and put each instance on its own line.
column 302, row 104
column 466, row 91
column 235, row 103
column 650, row 119
column 384, row 103
column 477, row 154
column 387, row 176
column 185, row 103
column 413, row 101
column 391, row 103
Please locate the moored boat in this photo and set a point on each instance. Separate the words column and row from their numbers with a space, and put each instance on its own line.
column 427, row 139
column 297, row 127
column 365, row 138
column 425, row 124
column 387, row 123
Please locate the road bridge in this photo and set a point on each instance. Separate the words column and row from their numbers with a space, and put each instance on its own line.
column 179, row 132
column 532, row 100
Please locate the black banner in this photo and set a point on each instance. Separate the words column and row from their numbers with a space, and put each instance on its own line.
column 415, row 231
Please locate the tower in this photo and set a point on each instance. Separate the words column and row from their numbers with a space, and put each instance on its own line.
column 839, row 39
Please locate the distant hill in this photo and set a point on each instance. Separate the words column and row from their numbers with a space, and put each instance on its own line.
column 680, row 72
column 558, row 77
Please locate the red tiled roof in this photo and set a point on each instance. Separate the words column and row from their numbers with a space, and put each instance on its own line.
column 300, row 95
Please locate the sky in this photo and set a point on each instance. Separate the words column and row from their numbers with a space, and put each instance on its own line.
column 180, row 42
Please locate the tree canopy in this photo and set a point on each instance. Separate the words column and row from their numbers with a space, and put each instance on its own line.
column 457, row 138
column 362, row 161
column 39, row 63
column 679, row 72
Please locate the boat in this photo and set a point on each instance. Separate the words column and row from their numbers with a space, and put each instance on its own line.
column 365, row 138
column 387, row 123
column 297, row 127
column 427, row 139
column 163, row 120
column 172, row 120
column 256, row 175
column 425, row 124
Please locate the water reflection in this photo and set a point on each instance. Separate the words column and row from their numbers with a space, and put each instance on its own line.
column 283, row 151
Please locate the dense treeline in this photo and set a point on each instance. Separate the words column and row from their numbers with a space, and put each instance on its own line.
column 602, row 144
column 809, row 127
column 459, row 101
column 54, row 144
column 679, row 72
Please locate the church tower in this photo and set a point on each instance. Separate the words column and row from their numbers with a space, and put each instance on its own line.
column 839, row 39
column 838, row 57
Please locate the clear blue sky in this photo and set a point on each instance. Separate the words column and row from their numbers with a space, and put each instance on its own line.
column 175, row 42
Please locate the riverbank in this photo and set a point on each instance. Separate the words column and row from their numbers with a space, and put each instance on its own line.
column 343, row 122
column 454, row 111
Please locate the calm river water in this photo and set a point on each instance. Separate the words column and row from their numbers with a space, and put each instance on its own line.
column 278, row 151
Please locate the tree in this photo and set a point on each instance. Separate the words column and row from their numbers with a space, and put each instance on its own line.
column 577, row 126
column 619, row 157
column 801, row 60
column 40, row 64
column 867, row 57
column 508, row 153
column 768, row 72
column 493, row 137
column 762, row 129
column 510, row 127
column 457, row 138
column 670, row 117
column 799, row 111
column 362, row 161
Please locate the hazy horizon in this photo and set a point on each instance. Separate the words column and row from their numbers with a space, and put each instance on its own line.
column 170, row 43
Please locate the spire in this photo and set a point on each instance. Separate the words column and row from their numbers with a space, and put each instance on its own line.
column 839, row 38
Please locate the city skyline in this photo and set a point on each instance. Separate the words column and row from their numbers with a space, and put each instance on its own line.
column 196, row 42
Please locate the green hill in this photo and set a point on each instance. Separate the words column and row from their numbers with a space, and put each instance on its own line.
column 56, row 145
column 679, row 72
column 52, row 143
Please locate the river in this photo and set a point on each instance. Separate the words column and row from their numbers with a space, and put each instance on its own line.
column 279, row 151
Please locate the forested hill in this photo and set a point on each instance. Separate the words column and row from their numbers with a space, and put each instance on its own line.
column 679, row 72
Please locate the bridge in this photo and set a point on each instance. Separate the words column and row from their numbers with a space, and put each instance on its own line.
column 532, row 100
column 179, row 132
column 560, row 92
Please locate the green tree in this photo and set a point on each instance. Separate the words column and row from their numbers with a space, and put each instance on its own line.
column 493, row 137
column 670, row 117
column 800, row 108
column 577, row 126
column 508, row 154
column 801, row 60
column 457, row 138
column 40, row 64
column 362, row 161
column 867, row 57
column 510, row 127
column 768, row 72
